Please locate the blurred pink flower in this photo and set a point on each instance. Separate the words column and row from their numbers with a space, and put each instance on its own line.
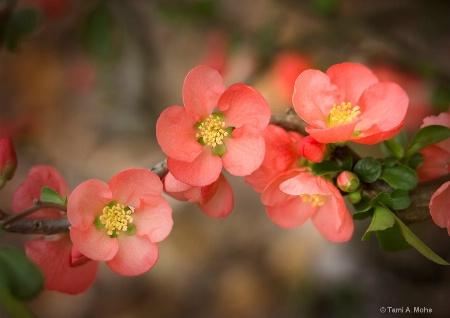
column 436, row 158
column 348, row 103
column 121, row 221
column 281, row 155
column 215, row 200
column 312, row 150
column 297, row 195
column 199, row 142
column 8, row 160
column 440, row 206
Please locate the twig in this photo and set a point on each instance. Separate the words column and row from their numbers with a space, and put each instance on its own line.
column 37, row 205
column 34, row 226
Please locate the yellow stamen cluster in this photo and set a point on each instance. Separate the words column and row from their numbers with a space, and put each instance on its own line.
column 212, row 131
column 116, row 218
column 342, row 114
column 314, row 199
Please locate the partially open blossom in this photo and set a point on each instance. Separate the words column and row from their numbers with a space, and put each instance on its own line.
column 312, row 150
column 348, row 103
column 121, row 221
column 281, row 155
column 436, row 157
column 347, row 181
column 53, row 254
column 215, row 200
column 199, row 141
column 8, row 160
column 298, row 195
column 440, row 206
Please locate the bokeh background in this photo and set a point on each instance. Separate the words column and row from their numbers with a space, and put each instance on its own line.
column 82, row 92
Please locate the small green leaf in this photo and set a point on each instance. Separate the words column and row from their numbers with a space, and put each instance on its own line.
column 415, row 242
column 363, row 214
column 363, row 205
column 400, row 200
column 416, row 161
column 381, row 198
column 347, row 164
column 392, row 148
column 427, row 136
column 50, row 195
column 391, row 239
column 381, row 220
column 400, row 177
column 13, row 306
column 98, row 32
column 368, row 169
column 325, row 167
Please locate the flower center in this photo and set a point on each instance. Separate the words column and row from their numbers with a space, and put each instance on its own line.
column 342, row 114
column 211, row 131
column 116, row 217
column 314, row 199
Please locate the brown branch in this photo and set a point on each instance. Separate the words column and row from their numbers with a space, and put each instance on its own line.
column 35, row 226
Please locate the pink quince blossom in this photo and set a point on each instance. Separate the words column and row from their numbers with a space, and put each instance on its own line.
column 440, row 206
column 215, row 200
column 53, row 255
column 312, row 150
column 297, row 195
column 199, row 142
column 436, row 157
column 8, row 160
column 281, row 155
column 348, row 103
column 121, row 221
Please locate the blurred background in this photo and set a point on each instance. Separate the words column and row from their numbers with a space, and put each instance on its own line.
column 82, row 84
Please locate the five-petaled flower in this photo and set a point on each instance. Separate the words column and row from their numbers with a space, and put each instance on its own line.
column 121, row 221
column 348, row 103
column 199, row 140
column 297, row 195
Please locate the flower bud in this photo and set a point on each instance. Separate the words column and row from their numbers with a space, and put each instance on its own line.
column 311, row 149
column 354, row 197
column 8, row 160
column 347, row 181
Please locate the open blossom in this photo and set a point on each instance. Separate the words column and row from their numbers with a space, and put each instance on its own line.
column 8, row 160
column 121, row 221
column 298, row 195
column 281, row 155
column 53, row 255
column 440, row 206
column 436, row 157
column 215, row 200
column 199, row 141
column 348, row 103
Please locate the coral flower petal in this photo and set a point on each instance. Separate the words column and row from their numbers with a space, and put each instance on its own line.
column 204, row 170
column 53, row 259
column 95, row 244
column 131, row 185
column 272, row 195
column 175, row 131
column 243, row 105
column 153, row 219
column 290, row 214
column 436, row 162
column 87, row 202
column 352, row 79
column 136, row 255
column 245, row 151
column 439, row 206
column 221, row 203
column 201, row 91
column 333, row 134
column 173, row 185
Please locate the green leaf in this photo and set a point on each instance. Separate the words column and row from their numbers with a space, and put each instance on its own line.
column 415, row 242
column 347, row 164
column 382, row 219
column 325, row 167
column 23, row 278
column 363, row 214
column 392, row 148
column 400, row 200
column 363, row 205
column 415, row 161
column 391, row 239
column 97, row 32
column 50, row 195
column 13, row 306
column 21, row 25
column 368, row 169
column 400, row 177
column 427, row 136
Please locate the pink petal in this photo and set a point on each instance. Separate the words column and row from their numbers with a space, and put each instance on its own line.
column 352, row 79
column 95, row 244
column 153, row 219
column 314, row 96
column 30, row 189
column 333, row 134
column 173, row 185
column 175, row 131
column 53, row 257
column 440, row 206
column 135, row 256
column 272, row 194
column 305, row 183
column 292, row 213
column 243, row 105
column 435, row 163
column 245, row 151
column 131, row 185
column 87, row 202
column 373, row 136
column 204, row 170
column 221, row 203
column 201, row 91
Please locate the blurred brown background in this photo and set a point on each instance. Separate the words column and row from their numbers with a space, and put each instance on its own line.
column 83, row 92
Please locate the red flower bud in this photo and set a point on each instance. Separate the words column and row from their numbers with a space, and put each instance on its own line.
column 8, row 160
column 347, row 181
column 311, row 149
